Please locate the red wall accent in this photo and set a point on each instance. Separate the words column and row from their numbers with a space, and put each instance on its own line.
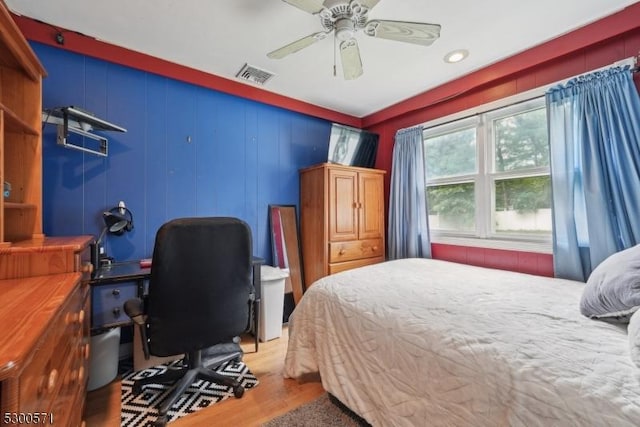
column 554, row 57
column 524, row 262
column 595, row 45
column 78, row 43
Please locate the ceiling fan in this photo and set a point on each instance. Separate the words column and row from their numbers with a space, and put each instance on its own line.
column 345, row 18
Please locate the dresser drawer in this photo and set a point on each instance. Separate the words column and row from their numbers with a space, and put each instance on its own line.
column 71, row 384
column 107, row 304
column 42, row 379
column 349, row 265
column 357, row 249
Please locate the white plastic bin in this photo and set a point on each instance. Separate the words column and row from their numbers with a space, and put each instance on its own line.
column 271, row 302
column 103, row 363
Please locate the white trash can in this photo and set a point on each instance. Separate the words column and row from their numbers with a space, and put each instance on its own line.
column 271, row 302
column 103, row 363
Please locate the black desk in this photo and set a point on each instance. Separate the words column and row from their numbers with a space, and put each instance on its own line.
column 109, row 291
column 121, row 272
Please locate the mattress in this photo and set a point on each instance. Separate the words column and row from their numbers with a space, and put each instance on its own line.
column 424, row 342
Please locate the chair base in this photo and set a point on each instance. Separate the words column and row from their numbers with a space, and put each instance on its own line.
column 186, row 375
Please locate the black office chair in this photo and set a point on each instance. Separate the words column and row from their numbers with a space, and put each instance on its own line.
column 199, row 301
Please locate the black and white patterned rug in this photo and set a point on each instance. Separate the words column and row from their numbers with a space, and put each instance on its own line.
column 142, row 410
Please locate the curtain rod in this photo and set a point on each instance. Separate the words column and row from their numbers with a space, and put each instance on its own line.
column 633, row 61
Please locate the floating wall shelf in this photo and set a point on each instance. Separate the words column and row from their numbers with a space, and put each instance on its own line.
column 75, row 120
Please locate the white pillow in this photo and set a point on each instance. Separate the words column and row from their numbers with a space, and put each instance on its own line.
column 612, row 291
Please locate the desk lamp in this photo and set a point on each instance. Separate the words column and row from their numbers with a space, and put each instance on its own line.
column 117, row 220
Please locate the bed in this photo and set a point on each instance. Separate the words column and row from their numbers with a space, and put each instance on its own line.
column 426, row 342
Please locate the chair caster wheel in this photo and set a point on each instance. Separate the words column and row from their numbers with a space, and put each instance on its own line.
column 136, row 389
column 238, row 392
column 161, row 421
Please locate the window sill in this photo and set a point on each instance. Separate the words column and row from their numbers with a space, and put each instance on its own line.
column 509, row 245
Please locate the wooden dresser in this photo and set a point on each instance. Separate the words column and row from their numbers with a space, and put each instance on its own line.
column 341, row 219
column 45, row 316
column 44, row 350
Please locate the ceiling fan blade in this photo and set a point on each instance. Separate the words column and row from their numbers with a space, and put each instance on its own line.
column 368, row 3
column 297, row 45
column 311, row 6
column 351, row 62
column 408, row 32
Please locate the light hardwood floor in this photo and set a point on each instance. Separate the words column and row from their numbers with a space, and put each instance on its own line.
column 273, row 396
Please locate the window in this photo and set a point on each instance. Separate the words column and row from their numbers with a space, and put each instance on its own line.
column 488, row 175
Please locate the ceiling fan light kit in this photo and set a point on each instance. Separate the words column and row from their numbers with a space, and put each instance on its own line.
column 345, row 18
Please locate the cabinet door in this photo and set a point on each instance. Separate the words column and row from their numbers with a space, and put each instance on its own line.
column 343, row 203
column 371, row 206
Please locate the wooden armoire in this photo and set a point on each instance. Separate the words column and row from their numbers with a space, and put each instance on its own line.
column 341, row 219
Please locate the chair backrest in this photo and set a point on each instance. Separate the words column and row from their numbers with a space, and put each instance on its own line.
column 200, row 284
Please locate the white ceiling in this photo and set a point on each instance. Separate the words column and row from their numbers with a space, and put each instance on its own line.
column 220, row 36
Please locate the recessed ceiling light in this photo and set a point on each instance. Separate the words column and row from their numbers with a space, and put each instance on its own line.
column 456, row 56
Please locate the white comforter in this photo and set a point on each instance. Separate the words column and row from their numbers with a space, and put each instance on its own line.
column 432, row 343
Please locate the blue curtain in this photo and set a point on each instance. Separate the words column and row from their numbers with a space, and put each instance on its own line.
column 408, row 223
column 594, row 138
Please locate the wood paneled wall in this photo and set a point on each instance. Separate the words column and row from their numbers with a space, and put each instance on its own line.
column 188, row 151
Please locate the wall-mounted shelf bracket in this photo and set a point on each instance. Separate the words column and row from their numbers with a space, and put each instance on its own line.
column 73, row 120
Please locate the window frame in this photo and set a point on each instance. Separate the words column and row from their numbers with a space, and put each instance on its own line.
column 485, row 177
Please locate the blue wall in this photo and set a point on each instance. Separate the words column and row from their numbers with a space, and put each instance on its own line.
column 243, row 155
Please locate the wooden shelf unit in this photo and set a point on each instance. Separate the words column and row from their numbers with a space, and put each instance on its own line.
column 21, row 76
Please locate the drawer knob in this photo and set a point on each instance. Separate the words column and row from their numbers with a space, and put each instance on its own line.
column 116, row 292
column 77, row 375
column 71, row 318
column 52, row 380
column 116, row 312
column 341, row 252
column 87, row 267
column 375, row 248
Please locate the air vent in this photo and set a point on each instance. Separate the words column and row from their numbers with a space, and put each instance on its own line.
column 254, row 74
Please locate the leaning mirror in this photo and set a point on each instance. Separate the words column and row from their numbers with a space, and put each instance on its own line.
column 286, row 246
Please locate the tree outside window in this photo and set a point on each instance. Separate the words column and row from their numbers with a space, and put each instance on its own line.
column 488, row 176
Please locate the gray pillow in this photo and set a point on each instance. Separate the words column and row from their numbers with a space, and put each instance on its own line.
column 612, row 291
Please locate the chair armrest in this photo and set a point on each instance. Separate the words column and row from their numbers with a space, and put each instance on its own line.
column 134, row 308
